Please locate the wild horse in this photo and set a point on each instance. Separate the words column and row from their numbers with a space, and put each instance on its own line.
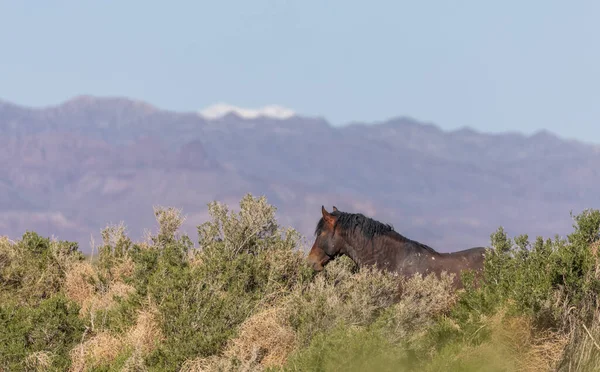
column 368, row 242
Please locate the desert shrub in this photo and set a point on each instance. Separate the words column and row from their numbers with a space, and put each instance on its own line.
column 529, row 276
column 40, row 335
column 555, row 282
column 33, row 268
column 245, row 261
column 416, row 316
column 38, row 324
column 339, row 293
column 115, row 246
column 103, row 287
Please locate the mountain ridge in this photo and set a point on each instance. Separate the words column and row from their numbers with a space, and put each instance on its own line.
column 89, row 161
column 77, row 100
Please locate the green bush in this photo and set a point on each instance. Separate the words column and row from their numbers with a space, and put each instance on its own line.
column 51, row 328
column 555, row 282
column 528, row 276
column 245, row 261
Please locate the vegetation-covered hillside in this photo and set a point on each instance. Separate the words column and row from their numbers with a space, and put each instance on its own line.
column 241, row 298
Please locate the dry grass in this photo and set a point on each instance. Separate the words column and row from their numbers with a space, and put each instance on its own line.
column 100, row 350
column 146, row 334
column 123, row 270
column 545, row 352
column 77, row 282
column 104, row 347
column 82, row 286
column 265, row 338
column 135, row 363
column 582, row 352
column 38, row 361
column 533, row 350
column 514, row 345
column 104, row 301
column 216, row 364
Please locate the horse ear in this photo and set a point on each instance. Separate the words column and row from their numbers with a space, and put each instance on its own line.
column 335, row 209
column 327, row 216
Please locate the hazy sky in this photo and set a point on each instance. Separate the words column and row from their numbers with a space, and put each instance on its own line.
column 494, row 66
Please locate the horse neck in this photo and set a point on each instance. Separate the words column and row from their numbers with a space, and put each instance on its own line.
column 414, row 246
column 382, row 250
column 366, row 252
column 357, row 249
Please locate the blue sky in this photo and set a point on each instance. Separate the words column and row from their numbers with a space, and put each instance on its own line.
column 494, row 66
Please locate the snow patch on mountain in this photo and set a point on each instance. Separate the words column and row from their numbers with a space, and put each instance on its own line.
column 270, row 111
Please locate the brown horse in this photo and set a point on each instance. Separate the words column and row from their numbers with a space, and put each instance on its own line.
column 368, row 242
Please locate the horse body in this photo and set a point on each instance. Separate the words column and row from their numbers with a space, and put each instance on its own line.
column 368, row 242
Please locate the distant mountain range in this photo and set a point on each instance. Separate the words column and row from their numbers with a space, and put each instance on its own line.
column 70, row 169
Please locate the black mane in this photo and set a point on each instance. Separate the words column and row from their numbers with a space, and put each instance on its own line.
column 351, row 221
column 369, row 227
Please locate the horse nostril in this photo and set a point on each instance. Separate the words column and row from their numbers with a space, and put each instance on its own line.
column 314, row 263
column 317, row 266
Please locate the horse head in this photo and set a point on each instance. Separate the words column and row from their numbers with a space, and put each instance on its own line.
column 327, row 244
